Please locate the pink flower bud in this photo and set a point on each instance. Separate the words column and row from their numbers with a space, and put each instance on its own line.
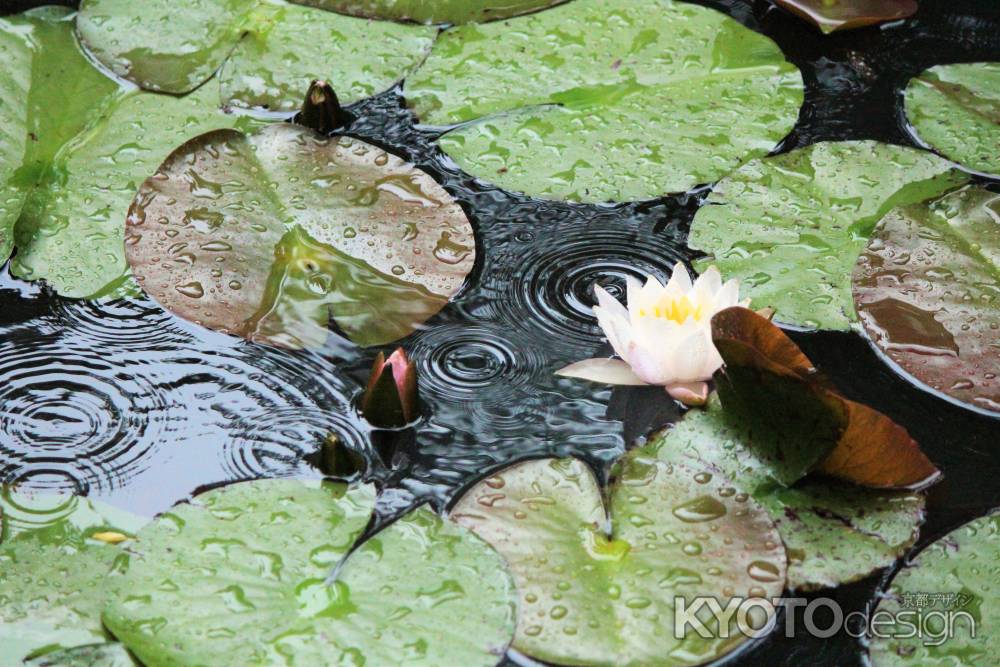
column 390, row 400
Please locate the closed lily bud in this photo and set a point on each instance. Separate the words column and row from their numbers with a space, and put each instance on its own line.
column 321, row 109
column 390, row 400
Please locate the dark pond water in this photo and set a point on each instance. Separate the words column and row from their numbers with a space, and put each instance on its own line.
column 123, row 401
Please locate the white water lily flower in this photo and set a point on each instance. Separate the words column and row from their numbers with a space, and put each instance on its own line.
column 664, row 336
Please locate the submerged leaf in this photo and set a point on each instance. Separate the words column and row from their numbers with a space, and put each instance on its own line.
column 956, row 110
column 268, row 235
column 807, row 425
column 949, row 589
column 598, row 586
column 602, row 100
column 267, row 51
column 927, row 289
column 832, row 15
column 51, row 569
column 239, row 577
column 790, row 227
column 834, row 532
column 434, row 11
column 108, row 654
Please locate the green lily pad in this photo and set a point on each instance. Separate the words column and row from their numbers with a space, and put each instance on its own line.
column 949, row 586
column 109, row 654
column 927, row 289
column 791, row 227
column 434, row 11
column 834, row 532
column 67, row 193
column 602, row 100
column 955, row 109
column 239, row 577
column 51, row 569
column 268, row 235
column 268, row 51
column 598, row 586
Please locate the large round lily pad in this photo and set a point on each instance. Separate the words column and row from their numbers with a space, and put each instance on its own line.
column 268, row 50
column 834, row 532
column 268, row 235
column 434, row 11
column 239, row 577
column 601, row 100
column 67, row 190
column 52, row 562
column 791, row 227
column 927, row 289
column 598, row 586
column 956, row 110
column 949, row 592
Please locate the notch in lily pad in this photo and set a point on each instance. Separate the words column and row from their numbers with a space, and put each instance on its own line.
column 321, row 110
column 768, row 381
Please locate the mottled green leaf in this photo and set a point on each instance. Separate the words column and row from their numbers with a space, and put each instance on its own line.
column 269, row 235
column 598, row 586
column 108, row 654
column 607, row 99
column 268, row 50
column 927, row 289
column 834, row 532
column 949, row 592
column 955, row 109
column 434, row 11
column 239, row 577
column 792, row 226
column 51, row 569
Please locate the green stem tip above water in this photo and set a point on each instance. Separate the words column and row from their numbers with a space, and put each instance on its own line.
column 321, row 110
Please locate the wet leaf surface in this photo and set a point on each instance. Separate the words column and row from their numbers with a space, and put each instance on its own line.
column 434, row 11
column 927, row 289
column 669, row 95
column 833, row 15
column 267, row 51
column 954, row 579
column 597, row 586
column 805, row 423
column 791, row 227
column 51, row 569
column 834, row 532
column 268, row 235
column 110, row 654
column 955, row 109
column 256, row 556
column 70, row 189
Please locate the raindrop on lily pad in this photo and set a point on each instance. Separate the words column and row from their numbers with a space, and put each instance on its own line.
column 52, row 563
column 240, row 577
column 271, row 234
column 599, row 100
column 598, row 585
column 267, row 51
column 434, row 11
column 950, row 590
column 955, row 109
column 834, row 532
column 927, row 289
column 791, row 227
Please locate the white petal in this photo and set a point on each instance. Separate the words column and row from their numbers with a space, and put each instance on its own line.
column 696, row 357
column 655, row 367
column 709, row 283
column 616, row 329
column 607, row 371
column 679, row 279
column 689, row 393
column 609, row 303
column 646, row 298
column 727, row 297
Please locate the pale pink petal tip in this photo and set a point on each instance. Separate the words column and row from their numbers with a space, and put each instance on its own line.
column 607, row 371
column 689, row 393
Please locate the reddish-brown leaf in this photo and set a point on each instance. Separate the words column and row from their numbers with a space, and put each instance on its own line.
column 832, row 15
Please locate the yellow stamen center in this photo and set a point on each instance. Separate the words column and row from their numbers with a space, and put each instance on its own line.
column 677, row 310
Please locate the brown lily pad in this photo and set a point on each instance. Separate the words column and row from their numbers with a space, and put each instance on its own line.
column 832, row 15
column 270, row 235
column 806, row 424
column 927, row 290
